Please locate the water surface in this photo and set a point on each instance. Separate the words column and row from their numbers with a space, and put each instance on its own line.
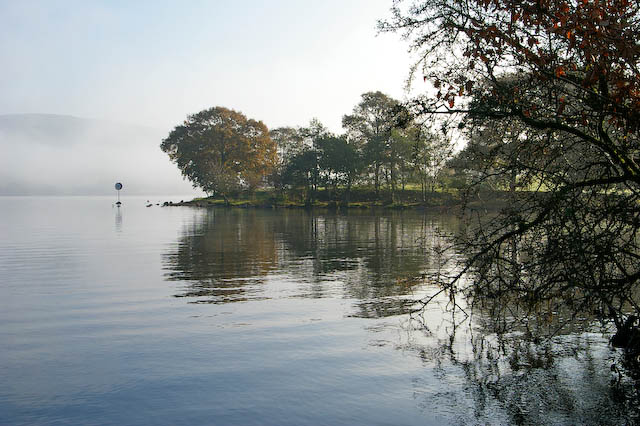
column 180, row 315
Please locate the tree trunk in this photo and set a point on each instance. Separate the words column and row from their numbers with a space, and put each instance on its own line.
column 348, row 193
column 393, row 183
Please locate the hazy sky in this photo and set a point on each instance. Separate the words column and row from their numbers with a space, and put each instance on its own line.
column 154, row 62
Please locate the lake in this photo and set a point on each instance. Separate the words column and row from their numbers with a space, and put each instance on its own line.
column 181, row 315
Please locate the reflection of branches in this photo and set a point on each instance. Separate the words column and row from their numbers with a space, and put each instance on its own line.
column 517, row 350
column 443, row 254
column 512, row 379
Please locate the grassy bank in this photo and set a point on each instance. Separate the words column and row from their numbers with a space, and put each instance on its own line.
column 359, row 198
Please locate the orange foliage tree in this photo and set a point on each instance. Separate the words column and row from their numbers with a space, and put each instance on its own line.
column 220, row 150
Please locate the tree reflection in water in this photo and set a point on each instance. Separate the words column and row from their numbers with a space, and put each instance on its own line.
column 514, row 377
column 229, row 255
column 494, row 368
column 222, row 256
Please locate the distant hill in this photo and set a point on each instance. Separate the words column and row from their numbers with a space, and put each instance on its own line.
column 44, row 154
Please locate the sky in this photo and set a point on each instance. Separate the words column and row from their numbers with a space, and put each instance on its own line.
column 152, row 63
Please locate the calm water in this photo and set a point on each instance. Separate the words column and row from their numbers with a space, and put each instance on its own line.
column 181, row 315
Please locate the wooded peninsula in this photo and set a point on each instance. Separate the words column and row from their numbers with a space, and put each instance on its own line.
column 386, row 157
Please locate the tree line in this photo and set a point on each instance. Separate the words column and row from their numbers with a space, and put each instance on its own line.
column 383, row 146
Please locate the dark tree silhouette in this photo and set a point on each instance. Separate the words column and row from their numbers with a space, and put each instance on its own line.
column 555, row 86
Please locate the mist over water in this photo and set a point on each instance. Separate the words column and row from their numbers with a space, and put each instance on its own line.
column 47, row 154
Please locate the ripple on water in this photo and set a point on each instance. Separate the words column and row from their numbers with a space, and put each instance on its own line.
column 214, row 316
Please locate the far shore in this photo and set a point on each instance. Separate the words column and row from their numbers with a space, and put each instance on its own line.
column 358, row 199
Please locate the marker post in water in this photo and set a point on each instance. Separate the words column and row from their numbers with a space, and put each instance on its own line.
column 118, row 188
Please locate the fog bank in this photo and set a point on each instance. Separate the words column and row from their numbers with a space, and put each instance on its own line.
column 47, row 154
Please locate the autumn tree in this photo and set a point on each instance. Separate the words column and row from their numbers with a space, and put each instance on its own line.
column 220, row 150
column 566, row 74
column 340, row 161
column 290, row 142
column 427, row 155
column 303, row 170
column 401, row 145
column 396, row 149
column 369, row 128
column 301, row 166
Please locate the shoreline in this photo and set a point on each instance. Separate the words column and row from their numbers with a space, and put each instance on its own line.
column 443, row 202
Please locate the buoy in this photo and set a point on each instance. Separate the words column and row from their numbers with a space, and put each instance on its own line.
column 118, row 188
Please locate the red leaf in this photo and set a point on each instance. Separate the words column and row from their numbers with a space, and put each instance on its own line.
column 561, row 106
